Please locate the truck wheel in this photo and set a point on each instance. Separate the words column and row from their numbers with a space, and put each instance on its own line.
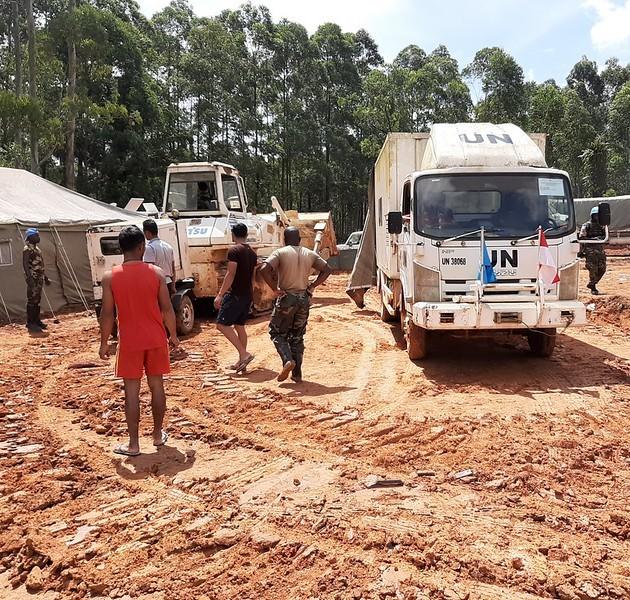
column 416, row 338
column 185, row 316
column 542, row 341
column 385, row 316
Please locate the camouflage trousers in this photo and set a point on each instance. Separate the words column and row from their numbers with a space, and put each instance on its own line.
column 288, row 326
column 596, row 266
column 34, row 291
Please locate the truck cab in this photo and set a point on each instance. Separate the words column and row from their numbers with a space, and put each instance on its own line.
column 205, row 199
column 201, row 193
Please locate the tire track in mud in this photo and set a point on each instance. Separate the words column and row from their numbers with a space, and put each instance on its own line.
column 121, row 511
column 392, row 524
column 364, row 368
column 431, row 538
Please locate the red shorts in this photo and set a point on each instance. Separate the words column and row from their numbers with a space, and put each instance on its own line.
column 130, row 364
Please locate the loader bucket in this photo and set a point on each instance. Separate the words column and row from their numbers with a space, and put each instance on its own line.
column 316, row 230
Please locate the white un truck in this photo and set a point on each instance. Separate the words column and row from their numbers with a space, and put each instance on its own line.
column 435, row 200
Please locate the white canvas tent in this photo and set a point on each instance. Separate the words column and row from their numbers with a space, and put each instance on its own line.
column 62, row 217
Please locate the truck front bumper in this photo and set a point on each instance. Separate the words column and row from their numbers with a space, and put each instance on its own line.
column 498, row 315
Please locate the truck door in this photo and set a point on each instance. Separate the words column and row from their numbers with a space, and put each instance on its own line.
column 232, row 196
column 405, row 248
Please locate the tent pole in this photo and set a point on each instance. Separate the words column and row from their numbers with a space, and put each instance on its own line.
column 6, row 310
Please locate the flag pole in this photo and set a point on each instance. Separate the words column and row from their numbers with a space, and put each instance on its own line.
column 541, row 283
column 481, row 261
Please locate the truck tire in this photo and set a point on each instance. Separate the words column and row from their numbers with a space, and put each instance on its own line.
column 542, row 341
column 185, row 316
column 416, row 338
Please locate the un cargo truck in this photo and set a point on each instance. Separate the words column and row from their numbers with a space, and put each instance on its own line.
column 439, row 200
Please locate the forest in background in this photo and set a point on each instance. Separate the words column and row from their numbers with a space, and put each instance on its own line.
column 98, row 97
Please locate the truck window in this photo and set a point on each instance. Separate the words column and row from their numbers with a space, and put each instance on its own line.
column 380, row 211
column 406, row 199
column 231, row 193
column 109, row 246
column 192, row 192
column 505, row 205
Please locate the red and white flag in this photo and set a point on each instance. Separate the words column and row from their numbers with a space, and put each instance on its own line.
column 547, row 271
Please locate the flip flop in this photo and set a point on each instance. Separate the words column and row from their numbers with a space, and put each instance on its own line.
column 124, row 450
column 243, row 364
column 163, row 440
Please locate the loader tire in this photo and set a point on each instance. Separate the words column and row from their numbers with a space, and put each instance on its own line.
column 185, row 316
column 542, row 341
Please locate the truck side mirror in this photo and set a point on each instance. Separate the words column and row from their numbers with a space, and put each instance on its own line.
column 394, row 222
column 604, row 213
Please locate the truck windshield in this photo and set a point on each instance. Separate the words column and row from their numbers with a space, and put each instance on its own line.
column 192, row 192
column 506, row 205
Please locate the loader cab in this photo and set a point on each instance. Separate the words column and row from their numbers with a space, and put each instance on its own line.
column 203, row 190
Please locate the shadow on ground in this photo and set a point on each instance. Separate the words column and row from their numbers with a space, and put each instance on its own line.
column 166, row 460
column 505, row 365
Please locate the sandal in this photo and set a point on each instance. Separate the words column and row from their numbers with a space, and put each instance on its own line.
column 124, row 450
column 240, row 368
column 163, row 440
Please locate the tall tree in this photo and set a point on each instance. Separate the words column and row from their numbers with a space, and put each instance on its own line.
column 70, row 177
column 32, row 84
column 576, row 133
column 17, row 46
column 546, row 111
column 502, row 85
column 619, row 132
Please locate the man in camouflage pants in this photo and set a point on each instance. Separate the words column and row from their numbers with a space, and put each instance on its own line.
column 34, row 271
column 594, row 253
column 287, row 272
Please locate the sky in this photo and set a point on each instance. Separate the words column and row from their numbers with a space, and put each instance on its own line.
column 546, row 37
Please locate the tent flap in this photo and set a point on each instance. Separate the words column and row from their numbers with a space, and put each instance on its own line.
column 363, row 274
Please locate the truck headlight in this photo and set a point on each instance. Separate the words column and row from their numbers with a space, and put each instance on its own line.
column 569, row 281
column 426, row 284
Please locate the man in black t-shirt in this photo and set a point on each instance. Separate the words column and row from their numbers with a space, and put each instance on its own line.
column 235, row 296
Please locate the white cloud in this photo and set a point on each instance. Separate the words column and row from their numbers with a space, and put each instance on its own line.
column 612, row 28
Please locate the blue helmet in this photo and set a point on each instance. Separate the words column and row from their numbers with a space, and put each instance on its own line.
column 30, row 231
column 595, row 210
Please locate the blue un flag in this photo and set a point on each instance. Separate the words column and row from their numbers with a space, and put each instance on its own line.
column 486, row 274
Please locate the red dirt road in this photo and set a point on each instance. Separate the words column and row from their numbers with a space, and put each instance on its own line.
column 260, row 490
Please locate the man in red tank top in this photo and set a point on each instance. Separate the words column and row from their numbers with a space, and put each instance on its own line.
column 139, row 293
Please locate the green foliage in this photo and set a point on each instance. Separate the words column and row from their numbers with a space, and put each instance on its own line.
column 502, row 85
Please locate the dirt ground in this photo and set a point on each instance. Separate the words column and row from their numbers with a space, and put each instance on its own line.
column 260, row 491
